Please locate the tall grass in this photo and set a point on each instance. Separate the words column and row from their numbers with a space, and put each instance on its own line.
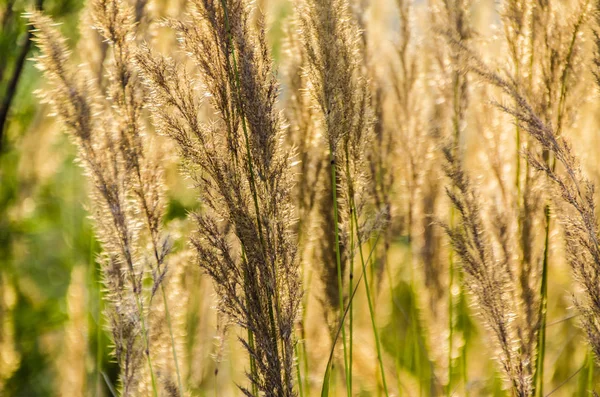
column 372, row 213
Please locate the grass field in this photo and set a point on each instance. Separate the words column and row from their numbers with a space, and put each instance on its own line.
column 298, row 198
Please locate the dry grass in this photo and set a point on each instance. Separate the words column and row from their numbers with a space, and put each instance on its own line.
column 324, row 225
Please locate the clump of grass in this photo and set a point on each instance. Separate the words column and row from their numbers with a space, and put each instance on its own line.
column 489, row 278
column 127, row 187
column 303, row 134
column 340, row 90
column 347, row 162
column 456, row 23
column 544, row 61
column 245, row 236
column 575, row 197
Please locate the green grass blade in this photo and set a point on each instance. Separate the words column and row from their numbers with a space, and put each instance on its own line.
column 327, row 375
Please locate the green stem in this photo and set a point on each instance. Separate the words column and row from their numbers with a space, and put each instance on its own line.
column 369, row 301
column 299, row 374
column 351, row 314
column 338, row 261
column 303, row 333
column 372, row 263
column 590, row 374
column 351, row 271
column 391, row 287
column 450, row 310
column 552, row 162
column 466, row 338
column 336, row 334
column 253, row 370
column 414, row 326
column 538, row 378
column 456, row 129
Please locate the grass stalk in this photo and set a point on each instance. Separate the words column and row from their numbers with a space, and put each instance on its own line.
column 351, row 273
column 451, row 271
column 111, row 388
column 414, row 326
column 303, row 335
column 391, row 287
column 372, row 285
column 11, row 90
column 369, row 298
column 298, row 372
column 237, row 86
column 327, row 375
column 456, row 131
column 538, row 378
column 339, row 264
column 450, row 313
column 590, row 373
column 253, row 370
column 351, row 316
column 301, row 353
column 463, row 359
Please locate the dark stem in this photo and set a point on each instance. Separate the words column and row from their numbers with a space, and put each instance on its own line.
column 11, row 89
column 4, row 25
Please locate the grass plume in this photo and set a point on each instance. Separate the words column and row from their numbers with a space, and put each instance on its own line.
column 244, row 239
